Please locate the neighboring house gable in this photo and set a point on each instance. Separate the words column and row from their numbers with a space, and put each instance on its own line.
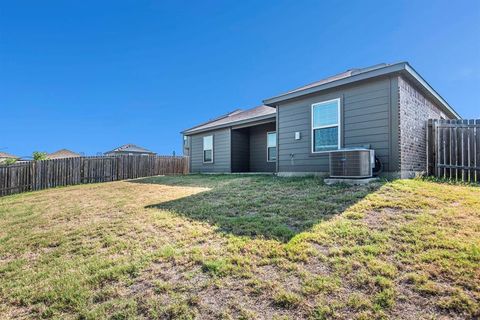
column 63, row 153
column 129, row 149
column 4, row 156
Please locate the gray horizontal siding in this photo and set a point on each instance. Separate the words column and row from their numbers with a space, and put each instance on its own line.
column 239, row 150
column 221, row 152
column 365, row 118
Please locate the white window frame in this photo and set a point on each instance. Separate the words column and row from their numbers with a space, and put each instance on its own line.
column 203, row 148
column 269, row 132
column 338, row 124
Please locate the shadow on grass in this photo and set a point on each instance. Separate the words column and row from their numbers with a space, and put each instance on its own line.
column 260, row 206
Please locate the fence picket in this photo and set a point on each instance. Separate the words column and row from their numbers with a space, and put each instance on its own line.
column 453, row 149
column 38, row 175
column 477, row 151
column 471, row 147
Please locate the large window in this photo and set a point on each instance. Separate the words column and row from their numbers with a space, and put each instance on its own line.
column 326, row 126
column 271, row 146
column 208, row 149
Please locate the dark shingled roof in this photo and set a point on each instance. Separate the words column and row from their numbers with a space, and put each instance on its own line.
column 352, row 75
column 361, row 74
column 62, row 153
column 238, row 115
column 339, row 76
column 130, row 148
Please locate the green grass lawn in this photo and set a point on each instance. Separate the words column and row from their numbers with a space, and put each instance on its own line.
column 241, row 247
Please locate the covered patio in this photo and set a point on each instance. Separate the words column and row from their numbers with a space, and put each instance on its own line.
column 253, row 147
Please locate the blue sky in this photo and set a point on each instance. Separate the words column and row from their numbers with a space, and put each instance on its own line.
column 93, row 75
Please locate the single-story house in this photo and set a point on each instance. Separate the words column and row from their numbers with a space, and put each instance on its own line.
column 130, row 150
column 5, row 156
column 62, row 154
column 383, row 107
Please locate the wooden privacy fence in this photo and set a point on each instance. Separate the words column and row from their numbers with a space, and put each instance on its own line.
column 44, row 174
column 453, row 149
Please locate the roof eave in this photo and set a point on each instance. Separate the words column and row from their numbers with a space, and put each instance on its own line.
column 272, row 102
column 395, row 68
column 211, row 120
column 229, row 124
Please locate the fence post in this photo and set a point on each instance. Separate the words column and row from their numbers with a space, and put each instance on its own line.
column 43, row 174
column 429, row 168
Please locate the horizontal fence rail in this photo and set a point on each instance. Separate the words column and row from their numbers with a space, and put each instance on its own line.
column 453, row 149
column 44, row 174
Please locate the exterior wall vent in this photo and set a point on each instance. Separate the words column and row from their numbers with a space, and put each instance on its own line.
column 352, row 163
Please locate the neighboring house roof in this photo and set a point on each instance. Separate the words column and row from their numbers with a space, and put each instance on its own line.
column 8, row 155
column 130, row 148
column 235, row 117
column 63, row 153
column 355, row 75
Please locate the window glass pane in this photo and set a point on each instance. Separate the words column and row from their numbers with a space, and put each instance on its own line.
column 325, row 114
column 325, row 139
column 208, row 143
column 272, row 153
column 207, row 156
column 272, row 139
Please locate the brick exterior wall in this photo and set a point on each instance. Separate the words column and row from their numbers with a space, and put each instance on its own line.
column 414, row 110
